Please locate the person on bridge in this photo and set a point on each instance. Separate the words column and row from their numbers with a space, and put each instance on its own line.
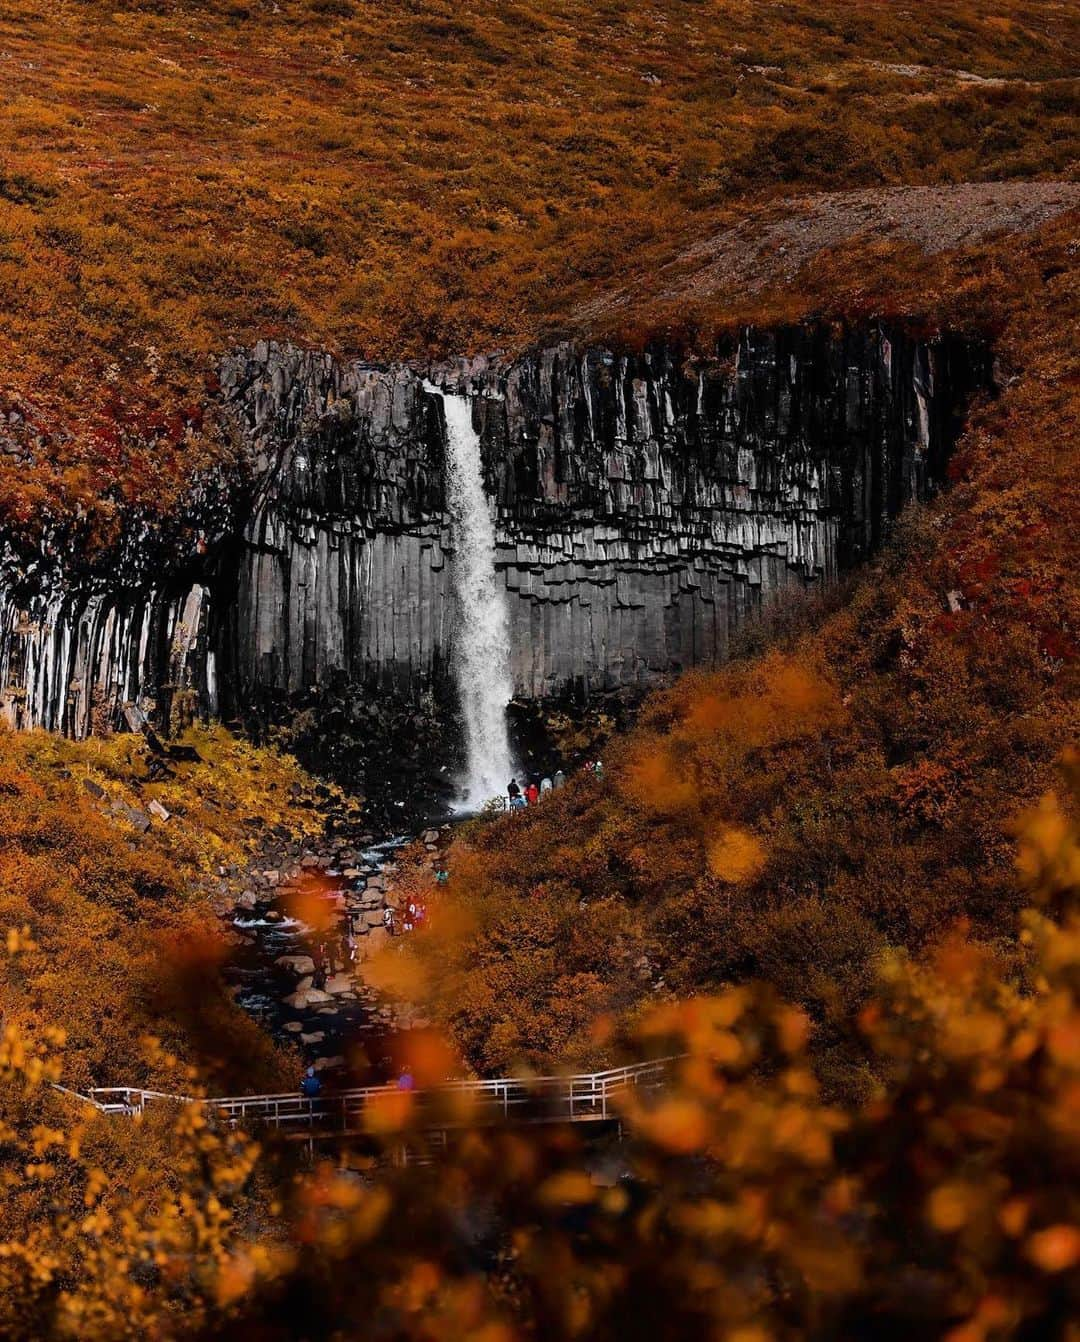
column 545, row 786
column 405, row 1080
column 310, row 1086
column 513, row 791
column 559, row 780
column 532, row 793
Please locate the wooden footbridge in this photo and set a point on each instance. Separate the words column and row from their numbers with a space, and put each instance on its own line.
column 593, row 1097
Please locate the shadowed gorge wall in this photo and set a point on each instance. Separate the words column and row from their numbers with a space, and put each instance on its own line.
column 645, row 505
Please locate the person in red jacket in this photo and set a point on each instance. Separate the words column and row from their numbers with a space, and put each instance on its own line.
column 532, row 794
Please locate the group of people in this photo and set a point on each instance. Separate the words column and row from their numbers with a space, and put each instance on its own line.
column 530, row 794
column 534, row 792
column 412, row 915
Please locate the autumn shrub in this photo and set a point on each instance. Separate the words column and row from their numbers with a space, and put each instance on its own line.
column 125, row 937
column 882, row 1141
column 107, row 1232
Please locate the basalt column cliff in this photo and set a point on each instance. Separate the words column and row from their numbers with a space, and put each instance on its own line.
column 644, row 503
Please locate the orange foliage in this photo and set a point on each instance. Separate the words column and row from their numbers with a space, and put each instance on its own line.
column 735, row 856
column 745, row 1204
column 885, row 1141
column 125, row 944
column 403, row 179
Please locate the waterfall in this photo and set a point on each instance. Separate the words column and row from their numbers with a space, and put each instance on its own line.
column 482, row 642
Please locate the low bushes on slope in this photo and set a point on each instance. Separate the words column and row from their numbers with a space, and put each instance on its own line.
column 398, row 179
column 125, row 945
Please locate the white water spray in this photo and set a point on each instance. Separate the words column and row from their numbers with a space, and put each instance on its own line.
column 485, row 685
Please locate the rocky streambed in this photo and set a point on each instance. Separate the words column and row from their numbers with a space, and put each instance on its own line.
column 328, row 901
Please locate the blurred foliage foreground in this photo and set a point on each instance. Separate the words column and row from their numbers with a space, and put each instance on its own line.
column 744, row 1206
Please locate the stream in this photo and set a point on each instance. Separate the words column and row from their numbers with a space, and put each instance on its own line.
column 344, row 1030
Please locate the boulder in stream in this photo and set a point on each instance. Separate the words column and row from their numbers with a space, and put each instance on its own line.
column 299, row 964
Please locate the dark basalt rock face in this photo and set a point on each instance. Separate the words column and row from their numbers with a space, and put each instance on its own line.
column 646, row 504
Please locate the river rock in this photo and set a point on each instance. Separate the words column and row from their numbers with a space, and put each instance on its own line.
column 136, row 818
column 299, row 964
column 326, row 1064
column 306, row 997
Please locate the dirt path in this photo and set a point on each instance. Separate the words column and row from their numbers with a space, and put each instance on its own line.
column 775, row 243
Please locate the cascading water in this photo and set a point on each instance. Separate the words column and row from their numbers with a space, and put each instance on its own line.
column 482, row 657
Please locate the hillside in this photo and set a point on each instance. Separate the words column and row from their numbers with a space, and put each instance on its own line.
column 120, row 899
column 394, row 180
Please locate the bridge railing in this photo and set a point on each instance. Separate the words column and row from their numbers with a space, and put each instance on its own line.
column 576, row 1099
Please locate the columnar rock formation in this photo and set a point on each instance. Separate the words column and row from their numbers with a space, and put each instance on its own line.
column 645, row 504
